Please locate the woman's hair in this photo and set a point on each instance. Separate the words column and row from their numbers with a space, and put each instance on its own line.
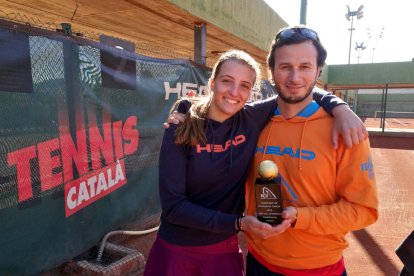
column 191, row 131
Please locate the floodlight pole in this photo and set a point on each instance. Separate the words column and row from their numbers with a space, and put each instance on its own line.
column 350, row 39
column 376, row 42
column 303, row 8
column 359, row 47
column 350, row 14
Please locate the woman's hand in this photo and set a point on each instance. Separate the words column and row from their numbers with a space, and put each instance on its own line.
column 349, row 126
column 174, row 118
column 263, row 230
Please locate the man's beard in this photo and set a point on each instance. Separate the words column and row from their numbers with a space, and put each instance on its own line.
column 293, row 100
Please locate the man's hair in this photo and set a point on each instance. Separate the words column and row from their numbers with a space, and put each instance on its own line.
column 296, row 35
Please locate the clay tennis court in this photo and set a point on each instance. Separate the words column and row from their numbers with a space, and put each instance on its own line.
column 372, row 250
column 398, row 124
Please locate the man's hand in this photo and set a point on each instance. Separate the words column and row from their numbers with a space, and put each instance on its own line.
column 174, row 118
column 290, row 213
column 349, row 126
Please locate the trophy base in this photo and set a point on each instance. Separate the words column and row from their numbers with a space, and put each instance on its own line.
column 269, row 200
column 273, row 219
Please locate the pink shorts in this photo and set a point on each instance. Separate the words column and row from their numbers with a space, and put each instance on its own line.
column 223, row 258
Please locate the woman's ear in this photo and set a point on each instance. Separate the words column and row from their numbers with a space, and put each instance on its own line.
column 210, row 83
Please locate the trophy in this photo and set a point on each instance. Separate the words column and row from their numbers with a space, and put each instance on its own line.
column 268, row 191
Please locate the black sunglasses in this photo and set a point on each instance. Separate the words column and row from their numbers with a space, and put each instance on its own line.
column 305, row 32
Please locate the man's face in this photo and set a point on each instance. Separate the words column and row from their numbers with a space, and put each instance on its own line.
column 295, row 72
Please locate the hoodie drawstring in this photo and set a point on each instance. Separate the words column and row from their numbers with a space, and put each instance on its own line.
column 300, row 147
column 267, row 139
column 209, row 126
column 301, row 144
column 233, row 127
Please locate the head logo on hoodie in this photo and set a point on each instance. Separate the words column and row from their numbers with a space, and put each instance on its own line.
column 277, row 150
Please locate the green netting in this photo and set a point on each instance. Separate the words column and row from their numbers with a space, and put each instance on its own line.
column 78, row 159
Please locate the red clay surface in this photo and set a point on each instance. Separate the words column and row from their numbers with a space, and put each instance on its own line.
column 372, row 250
column 390, row 123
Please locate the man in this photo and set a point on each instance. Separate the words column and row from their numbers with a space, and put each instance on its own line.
column 327, row 192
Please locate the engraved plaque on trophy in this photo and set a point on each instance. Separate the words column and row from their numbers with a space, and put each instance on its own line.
column 268, row 191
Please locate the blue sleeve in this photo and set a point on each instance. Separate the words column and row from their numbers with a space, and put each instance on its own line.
column 176, row 206
column 327, row 100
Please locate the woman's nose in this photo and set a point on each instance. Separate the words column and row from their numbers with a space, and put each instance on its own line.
column 234, row 90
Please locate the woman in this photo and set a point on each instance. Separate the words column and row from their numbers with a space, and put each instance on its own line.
column 203, row 167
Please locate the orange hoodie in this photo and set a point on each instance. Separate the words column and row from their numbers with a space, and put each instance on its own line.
column 333, row 190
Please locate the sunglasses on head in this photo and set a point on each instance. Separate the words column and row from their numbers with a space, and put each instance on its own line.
column 305, row 32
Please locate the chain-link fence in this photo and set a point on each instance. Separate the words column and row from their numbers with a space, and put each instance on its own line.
column 385, row 109
column 146, row 48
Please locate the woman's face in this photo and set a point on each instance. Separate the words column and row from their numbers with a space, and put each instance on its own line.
column 231, row 89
